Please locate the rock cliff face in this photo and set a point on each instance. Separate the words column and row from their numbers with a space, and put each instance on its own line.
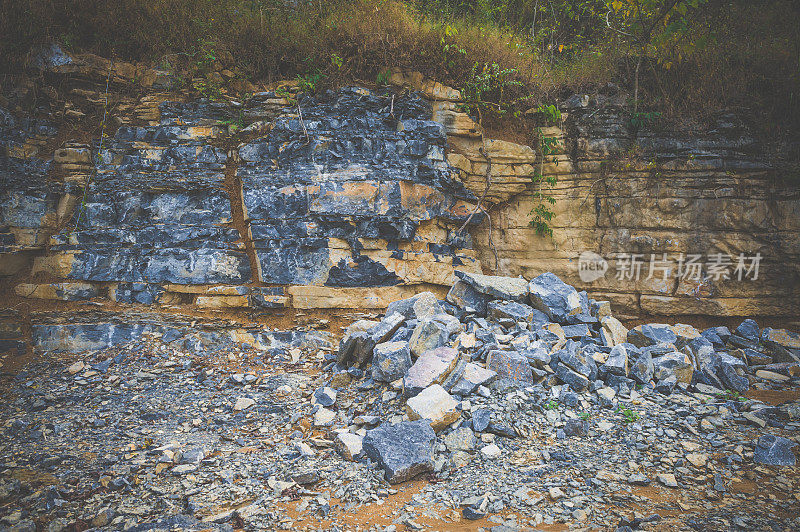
column 635, row 195
column 353, row 198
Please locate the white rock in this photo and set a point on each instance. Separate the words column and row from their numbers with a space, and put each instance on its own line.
column 697, row 459
column 491, row 451
column 324, row 417
column 243, row 403
column 305, row 449
column 667, row 479
column 607, row 393
column 349, row 445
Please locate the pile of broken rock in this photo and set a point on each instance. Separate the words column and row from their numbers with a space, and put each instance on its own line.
column 499, row 334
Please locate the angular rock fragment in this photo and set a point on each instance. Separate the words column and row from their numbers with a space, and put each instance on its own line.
column 651, row 334
column 577, row 331
column 774, row 450
column 718, row 336
column 728, row 373
column 467, row 298
column 575, row 380
column 421, row 306
column 675, row 363
column 390, row 361
column 782, row 344
column 516, row 312
column 573, row 356
column 473, row 376
column 356, row 347
column 554, row 297
column 461, row 439
column 641, row 369
column 706, row 362
column 510, row 366
column 684, row 334
column 433, row 332
column 537, row 355
column 349, row 445
column 497, row 287
column 434, row 404
column 748, row 329
column 432, row 367
column 403, row 450
column 355, row 342
column 243, row 403
column 617, row 362
column 325, row 396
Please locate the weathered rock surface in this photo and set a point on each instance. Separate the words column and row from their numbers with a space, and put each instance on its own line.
column 403, row 451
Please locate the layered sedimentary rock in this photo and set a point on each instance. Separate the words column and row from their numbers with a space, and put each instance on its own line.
column 155, row 210
column 632, row 195
column 353, row 198
column 82, row 331
column 343, row 199
column 29, row 201
column 683, row 222
column 353, row 191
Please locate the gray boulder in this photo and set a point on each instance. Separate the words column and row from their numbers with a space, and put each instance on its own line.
column 433, row 332
column 403, row 451
column 575, row 380
column 748, row 329
column 706, row 362
column 510, row 366
column 574, row 357
column 642, row 368
column 517, row 312
column 467, row 298
column 652, row 334
column 390, row 361
column 674, row 364
column 717, row 335
column 537, row 355
column 418, row 307
column 618, row 359
column 554, row 297
column 472, row 377
column 731, row 371
column 361, row 338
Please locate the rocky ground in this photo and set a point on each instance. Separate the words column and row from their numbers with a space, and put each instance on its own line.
column 444, row 415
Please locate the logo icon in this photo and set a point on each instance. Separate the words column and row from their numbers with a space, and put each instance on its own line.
column 591, row 266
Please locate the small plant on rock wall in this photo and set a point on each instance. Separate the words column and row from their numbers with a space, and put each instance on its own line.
column 542, row 212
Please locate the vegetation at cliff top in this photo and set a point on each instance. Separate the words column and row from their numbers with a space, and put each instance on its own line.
column 685, row 58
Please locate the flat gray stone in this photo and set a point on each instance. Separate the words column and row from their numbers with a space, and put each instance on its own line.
column 474, row 375
column 467, row 298
column 774, row 450
column 498, row 287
